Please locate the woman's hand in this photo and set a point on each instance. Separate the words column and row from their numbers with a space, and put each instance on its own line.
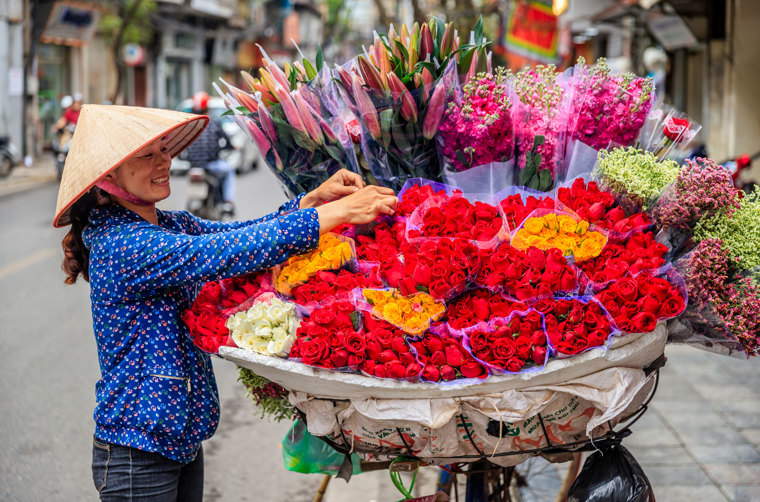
column 363, row 206
column 340, row 184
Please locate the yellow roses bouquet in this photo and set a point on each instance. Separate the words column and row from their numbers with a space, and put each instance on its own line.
column 571, row 235
column 412, row 314
column 333, row 252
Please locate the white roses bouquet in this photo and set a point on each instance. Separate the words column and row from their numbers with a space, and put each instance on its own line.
column 268, row 327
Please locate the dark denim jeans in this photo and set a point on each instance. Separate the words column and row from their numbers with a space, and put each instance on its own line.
column 121, row 473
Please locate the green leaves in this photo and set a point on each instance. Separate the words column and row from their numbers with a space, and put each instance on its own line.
column 320, row 60
column 531, row 175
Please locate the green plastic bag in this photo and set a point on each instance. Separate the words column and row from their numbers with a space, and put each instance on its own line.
column 304, row 453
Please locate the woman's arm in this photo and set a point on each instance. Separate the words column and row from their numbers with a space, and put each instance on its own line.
column 340, row 184
column 198, row 226
column 145, row 258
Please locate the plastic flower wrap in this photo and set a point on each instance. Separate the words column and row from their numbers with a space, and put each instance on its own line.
column 637, row 303
column 528, row 274
column 290, row 123
column 510, row 345
column 268, row 327
column 540, row 111
column 398, row 91
column 723, row 305
column 412, row 314
column 635, row 177
column 667, row 133
column 739, row 231
column 609, row 108
column 575, row 325
column 571, row 235
column 443, row 358
column 477, row 129
column 332, row 253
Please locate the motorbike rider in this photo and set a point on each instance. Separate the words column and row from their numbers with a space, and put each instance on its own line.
column 71, row 108
column 204, row 152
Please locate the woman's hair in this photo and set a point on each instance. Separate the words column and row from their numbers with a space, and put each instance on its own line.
column 76, row 260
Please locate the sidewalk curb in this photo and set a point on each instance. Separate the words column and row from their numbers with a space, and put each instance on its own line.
column 14, row 187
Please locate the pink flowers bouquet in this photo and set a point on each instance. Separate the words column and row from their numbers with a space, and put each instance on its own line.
column 723, row 304
column 289, row 122
column 478, row 130
column 609, row 108
column 398, row 91
column 540, row 116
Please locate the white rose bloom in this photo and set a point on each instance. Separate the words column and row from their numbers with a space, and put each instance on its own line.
column 280, row 346
column 276, row 313
column 264, row 332
column 293, row 324
column 255, row 313
column 279, row 333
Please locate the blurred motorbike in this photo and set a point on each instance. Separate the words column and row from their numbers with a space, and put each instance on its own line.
column 61, row 145
column 204, row 192
column 9, row 156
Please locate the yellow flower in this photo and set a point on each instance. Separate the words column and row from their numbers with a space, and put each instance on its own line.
column 551, row 221
column 582, row 227
column 331, row 253
column 412, row 314
column 533, row 225
column 567, row 224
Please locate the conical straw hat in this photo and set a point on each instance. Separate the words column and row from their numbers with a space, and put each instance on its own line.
column 108, row 135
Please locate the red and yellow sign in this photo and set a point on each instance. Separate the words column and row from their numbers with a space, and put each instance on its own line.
column 532, row 30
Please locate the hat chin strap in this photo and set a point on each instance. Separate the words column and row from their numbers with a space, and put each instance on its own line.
column 109, row 187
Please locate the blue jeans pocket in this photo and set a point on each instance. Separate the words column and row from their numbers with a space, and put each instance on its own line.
column 101, row 456
column 162, row 406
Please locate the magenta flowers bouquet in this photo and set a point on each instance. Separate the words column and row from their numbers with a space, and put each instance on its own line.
column 477, row 129
column 609, row 108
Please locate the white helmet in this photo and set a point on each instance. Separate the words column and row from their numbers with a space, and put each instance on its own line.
column 66, row 101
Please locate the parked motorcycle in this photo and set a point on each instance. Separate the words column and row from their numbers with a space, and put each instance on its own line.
column 204, row 195
column 9, row 156
column 61, row 145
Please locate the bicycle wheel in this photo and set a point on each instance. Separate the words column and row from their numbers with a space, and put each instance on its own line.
column 538, row 480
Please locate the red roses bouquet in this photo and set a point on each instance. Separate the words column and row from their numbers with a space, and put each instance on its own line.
column 527, row 274
column 480, row 305
column 207, row 317
column 443, row 358
column 575, row 325
column 515, row 209
column 636, row 304
column 510, row 345
column 455, row 216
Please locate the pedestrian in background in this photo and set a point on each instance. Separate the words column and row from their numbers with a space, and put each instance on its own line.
column 157, row 398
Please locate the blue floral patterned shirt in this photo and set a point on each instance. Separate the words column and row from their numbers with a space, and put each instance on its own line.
column 157, row 392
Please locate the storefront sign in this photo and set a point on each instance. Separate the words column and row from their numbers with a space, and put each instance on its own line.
column 71, row 23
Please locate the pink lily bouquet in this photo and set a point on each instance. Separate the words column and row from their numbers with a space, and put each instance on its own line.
column 540, row 113
column 478, row 130
column 290, row 122
column 609, row 108
column 398, row 90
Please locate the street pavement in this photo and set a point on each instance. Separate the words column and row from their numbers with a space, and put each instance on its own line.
column 700, row 440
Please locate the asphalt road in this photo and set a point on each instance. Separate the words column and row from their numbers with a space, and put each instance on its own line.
column 48, row 369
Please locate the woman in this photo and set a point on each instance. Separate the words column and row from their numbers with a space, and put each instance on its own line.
column 157, row 399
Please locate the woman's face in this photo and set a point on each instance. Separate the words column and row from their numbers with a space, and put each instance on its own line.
column 146, row 174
